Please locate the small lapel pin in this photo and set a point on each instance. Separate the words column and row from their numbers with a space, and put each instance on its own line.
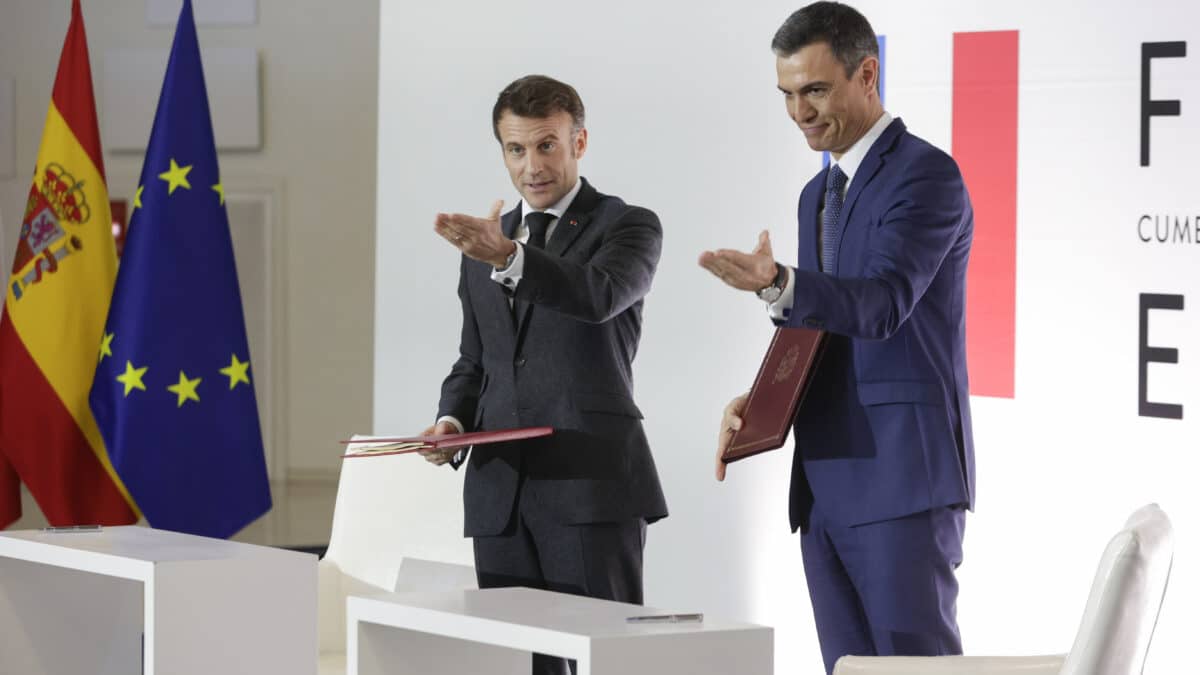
column 573, row 222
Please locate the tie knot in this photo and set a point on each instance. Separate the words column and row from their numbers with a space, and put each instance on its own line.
column 836, row 180
column 538, row 222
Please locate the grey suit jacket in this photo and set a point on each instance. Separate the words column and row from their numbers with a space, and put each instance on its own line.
column 562, row 358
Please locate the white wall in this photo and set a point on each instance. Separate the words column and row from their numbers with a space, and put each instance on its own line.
column 318, row 67
column 684, row 118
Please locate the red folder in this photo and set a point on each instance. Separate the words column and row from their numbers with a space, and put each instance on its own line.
column 779, row 388
column 399, row 446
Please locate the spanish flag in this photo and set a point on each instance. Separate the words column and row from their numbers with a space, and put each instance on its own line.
column 52, row 330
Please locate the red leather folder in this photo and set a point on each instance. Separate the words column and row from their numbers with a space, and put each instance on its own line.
column 779, row 388
column 399, row 446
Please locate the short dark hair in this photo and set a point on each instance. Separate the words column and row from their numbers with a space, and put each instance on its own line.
column 540, row 97
column 848, row 33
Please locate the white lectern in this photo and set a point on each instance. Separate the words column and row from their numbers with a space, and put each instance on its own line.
column 493, row 631
column 128, row 600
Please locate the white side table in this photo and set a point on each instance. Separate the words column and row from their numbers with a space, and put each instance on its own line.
column 494, row 631
column 93, row 603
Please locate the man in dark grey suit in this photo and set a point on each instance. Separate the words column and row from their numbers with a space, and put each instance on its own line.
column 552, row 297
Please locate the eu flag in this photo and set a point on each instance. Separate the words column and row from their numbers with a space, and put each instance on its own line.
column 173, row 393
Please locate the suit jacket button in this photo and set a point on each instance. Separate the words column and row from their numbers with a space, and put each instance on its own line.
column 520, row 362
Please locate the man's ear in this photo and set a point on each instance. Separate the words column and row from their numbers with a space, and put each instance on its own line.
column 579, row 143
column 868, row 70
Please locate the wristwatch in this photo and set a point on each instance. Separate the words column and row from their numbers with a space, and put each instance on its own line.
column 772, row 293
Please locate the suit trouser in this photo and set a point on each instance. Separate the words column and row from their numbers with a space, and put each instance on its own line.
column 885, row 588
column 601, row 560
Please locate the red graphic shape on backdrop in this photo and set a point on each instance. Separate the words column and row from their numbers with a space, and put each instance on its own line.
column 984, row 142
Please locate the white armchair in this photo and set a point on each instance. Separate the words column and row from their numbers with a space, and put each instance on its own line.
column 390, row 512
column 1114, row 635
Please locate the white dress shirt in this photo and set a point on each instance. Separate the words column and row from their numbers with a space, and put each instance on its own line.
column 849, row 163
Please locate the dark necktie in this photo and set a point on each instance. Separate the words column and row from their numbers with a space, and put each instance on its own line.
column 538, row 222
column 835, row 180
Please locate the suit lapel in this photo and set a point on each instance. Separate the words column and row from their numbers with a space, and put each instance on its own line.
column 573, row 220
column 510, row 220
column 808, row 257
column 866, row 172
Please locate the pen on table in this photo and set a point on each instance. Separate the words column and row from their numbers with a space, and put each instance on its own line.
column 664, row 618
column 72, row 528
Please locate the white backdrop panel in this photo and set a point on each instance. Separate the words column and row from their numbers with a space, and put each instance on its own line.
column 133, row 79
column 207, row 12
column 685, row 119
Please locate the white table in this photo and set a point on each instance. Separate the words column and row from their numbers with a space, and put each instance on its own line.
column 494, row 630
column 92, row 603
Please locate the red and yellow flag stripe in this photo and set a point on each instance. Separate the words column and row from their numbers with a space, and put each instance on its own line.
column 56, row 304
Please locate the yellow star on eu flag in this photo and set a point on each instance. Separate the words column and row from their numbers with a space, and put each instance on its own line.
column 236, row 372
column 220, row 190
column 106, row 345
column 185, row 389
column 176, row 177
column 137, row 199
column 132, row 378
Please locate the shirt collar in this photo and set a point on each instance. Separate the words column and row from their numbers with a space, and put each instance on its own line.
column 558, row 208
column 853, row 158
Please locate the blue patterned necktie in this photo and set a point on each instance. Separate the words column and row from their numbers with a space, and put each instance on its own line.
column 835, row 180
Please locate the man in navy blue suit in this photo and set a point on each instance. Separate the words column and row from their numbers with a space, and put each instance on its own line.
column 883, row 469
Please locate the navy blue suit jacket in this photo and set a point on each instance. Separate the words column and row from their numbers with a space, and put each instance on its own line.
column 886, row 430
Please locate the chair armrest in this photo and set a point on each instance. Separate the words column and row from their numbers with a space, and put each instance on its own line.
column 949, row 665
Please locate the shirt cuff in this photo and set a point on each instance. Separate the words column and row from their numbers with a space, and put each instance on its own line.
column 781, row 308
column 510, row 276
column 453, row 421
